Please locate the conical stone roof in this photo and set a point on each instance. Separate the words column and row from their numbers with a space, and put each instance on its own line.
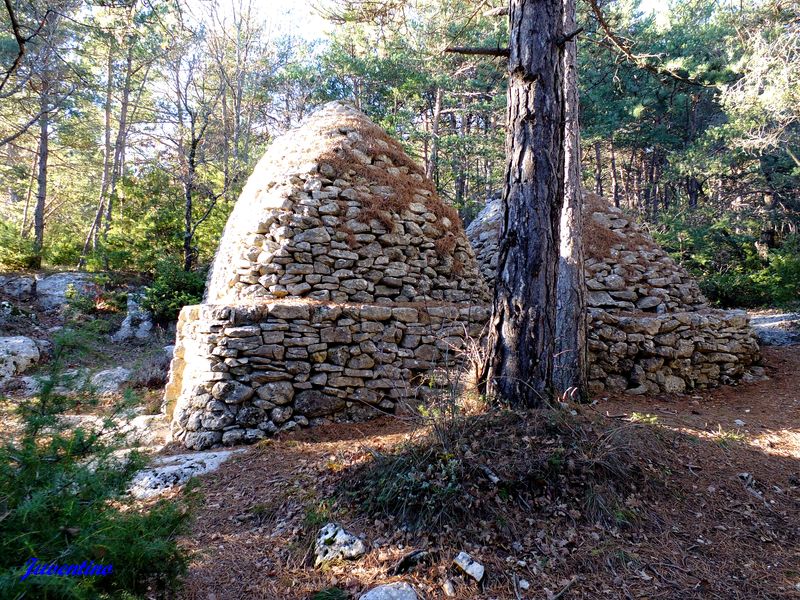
column 626, row 270
column 337, row 211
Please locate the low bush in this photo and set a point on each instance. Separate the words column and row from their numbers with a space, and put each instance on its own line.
column 484, row 467
column 16, row 252
column 63, row 501
column 172, row 289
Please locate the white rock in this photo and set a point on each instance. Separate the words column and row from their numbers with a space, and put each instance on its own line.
column 448, row 588
column 17, row 354
column 470, row 566
column 147, row 430
column 334, row 543
column 109, row 381
column 169, row 472
column 399, row 590
column 524, row 584
column 19, row 287
column 51, row 291
column 739, row 423
column 137, row 321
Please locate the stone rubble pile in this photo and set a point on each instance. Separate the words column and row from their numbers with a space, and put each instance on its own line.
column 341, row 281
column 650, row 328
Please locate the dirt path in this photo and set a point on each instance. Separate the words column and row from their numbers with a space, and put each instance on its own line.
column 764, row 414
column 724, row 524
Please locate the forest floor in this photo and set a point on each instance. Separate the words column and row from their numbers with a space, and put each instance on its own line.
column 690, row 496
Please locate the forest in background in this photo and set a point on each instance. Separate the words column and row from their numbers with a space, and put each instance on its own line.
column 128, row 128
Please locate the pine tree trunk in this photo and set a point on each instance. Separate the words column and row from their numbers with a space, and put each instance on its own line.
column 119, row 143
column 598, row 169
column 91, row 237
column 433, row 165
column 521, row 341
column 614, row 177
column 638, row 184
column 24, row 228
column 570, row 375
column 41, row 179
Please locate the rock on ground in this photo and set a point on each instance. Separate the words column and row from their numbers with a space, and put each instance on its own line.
column 168, row 472
column 17, row 354
column 110, row 381
column 51, row 291
column 17, row 286
column 391, row 591
column 147, row 430
column 334, row 543
column 470, row 566
column 777, row 330
column 138, row 322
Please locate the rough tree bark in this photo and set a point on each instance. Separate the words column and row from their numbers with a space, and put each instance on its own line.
column 570, row 375
column 521, row 340
column 41, row 179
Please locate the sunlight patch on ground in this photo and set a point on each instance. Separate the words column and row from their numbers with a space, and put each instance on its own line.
column 781, row 442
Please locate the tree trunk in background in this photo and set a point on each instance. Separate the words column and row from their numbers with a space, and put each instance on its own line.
column 487, row 173
column 598, row 170
column 460, row 170
column 630, row 200
column 614, row 177
column 649, row 186
column 432, row 170
column 693, row 191
column 188, row 202
column 637, row 182
column 119, row 144
column 23, row 230
column 91, row 237
column 571, row 369
column 521, row 341
column 41, row 179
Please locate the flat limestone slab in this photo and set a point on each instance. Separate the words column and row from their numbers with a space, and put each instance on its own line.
column 169, row 472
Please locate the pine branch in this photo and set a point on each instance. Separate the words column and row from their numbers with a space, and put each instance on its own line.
column 472, row 51
column 637, row 59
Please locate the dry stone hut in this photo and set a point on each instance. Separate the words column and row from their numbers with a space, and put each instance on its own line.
column 650, row 327
column 341, row 280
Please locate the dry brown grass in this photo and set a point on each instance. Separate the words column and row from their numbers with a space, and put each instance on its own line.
column 405, row 184
column 445, row 244
column 598, row 241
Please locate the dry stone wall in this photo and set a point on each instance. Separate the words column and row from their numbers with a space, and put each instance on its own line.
column 340, row 283
column 650, row 328
column 673, row 352
column 249, row 371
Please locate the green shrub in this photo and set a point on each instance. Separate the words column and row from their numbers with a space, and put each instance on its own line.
column 784, row 274
column 172, row 289
column 733, row 290
column 16, row 252
column 62, row 501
